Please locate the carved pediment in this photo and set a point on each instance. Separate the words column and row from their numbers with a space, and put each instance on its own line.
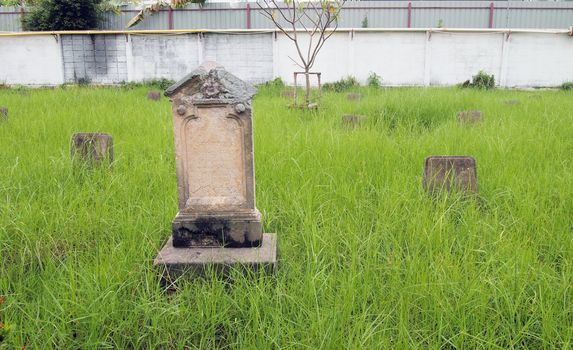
column 211, row 83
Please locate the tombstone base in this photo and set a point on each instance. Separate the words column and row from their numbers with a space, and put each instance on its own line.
column 233, row 229
column 178, row 262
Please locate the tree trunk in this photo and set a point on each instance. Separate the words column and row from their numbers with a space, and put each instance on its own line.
column 307, row 87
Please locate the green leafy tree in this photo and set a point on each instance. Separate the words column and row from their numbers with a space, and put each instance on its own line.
column 365, row 22
column 21, row 3
column 63, row 15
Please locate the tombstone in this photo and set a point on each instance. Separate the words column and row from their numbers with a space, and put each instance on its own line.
column 3, row 113
column 154, row 95
column 354, row 96
column 288, row 93
column 512, row 102
column 22, row 90
column 353, row 121
column 470, row 117
column 92, row 148
column 217, row 223
column 450, row 173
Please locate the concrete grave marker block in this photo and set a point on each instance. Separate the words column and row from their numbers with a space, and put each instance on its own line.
column 154, row 95
column 512, row 102
column 354, row 96
column 353, row 121
column 450, row 173
column 3, row 113
column 288, row 94
column 92, row 148
column 470, row 117
column 215, row 173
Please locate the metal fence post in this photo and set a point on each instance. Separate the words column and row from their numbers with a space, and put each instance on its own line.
column 170, row 16
column 248, row 16
column 22, row 15
column 491, row 14
column 410, row 15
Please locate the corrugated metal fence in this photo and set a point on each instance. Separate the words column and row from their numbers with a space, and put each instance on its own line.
column 377, row 14
column 10, row 19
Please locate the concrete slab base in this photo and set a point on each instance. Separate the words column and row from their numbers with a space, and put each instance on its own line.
column 177, row 262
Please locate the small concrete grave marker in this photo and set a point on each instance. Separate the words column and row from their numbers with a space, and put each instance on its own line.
column 288, row 93
column 92, row 148
column 3, row 113
column 353, row 121
column 470, row 117
column 354, row 96
column 154, row 95
column 450, row 173
column 215, row 176
column 512, row 102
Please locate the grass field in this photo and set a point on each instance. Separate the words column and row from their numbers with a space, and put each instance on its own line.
column 367, row 259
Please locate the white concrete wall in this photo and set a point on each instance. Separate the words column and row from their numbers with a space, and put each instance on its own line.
column 539, row 60
column 162, row 56
column 400, row 57
column 249, row 57
column 99, row 59
column 519, row 59
column 31, row 60
column 455, row 57
column 156, row 56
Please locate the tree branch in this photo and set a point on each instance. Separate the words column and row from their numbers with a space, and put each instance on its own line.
column 268, row 14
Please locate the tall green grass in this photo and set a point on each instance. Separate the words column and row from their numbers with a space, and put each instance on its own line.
column 367, row 259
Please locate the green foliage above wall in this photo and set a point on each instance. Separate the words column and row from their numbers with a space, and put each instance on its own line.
column 63, row 15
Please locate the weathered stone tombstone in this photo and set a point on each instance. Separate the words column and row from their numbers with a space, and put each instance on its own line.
column 154, row 95
column 354, row 96
column 512, row 102
column 218, row 223
column 470, row 117
column 288, row 93
column 92, row 148
column 450, row 173
column 3, row 113
column 353, row 121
